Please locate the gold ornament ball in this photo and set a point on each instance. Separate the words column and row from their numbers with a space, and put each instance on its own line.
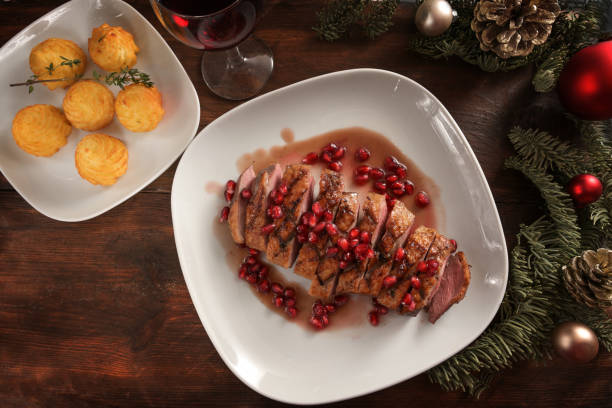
column 575, row 342
column 433, row 17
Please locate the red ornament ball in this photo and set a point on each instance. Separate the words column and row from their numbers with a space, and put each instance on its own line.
column 585, row 84
column 584, row 189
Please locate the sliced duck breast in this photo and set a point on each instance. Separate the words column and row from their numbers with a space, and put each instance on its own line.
column 453, row 285
column 237, row 214
column 256, row 218
column 282, row 243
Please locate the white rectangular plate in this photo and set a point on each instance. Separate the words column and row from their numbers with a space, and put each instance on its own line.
column 51, row 184
column 282, row 360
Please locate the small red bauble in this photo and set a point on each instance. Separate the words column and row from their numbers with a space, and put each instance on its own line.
column 584, row 189
column 585, row 84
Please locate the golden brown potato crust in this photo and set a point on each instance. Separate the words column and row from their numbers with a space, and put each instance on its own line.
column 112, row 48
column 89, row 105
column 101, row 159
column 51, row 51
column 139, row 108
column 40, row 130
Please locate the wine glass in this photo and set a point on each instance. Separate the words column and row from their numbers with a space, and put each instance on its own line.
column 235, row 64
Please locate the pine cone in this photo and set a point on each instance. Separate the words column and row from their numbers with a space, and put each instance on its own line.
column 589, row 278
column 511, row 28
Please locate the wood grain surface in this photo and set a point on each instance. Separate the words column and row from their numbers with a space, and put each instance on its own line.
column 97, row 313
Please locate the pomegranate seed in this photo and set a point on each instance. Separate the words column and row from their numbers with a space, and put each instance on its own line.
column 335, row 166
column 246, row 194
column 331, row 308
column 306, row 218
column 412, row 306
column 275, row 212
column 291, row 311
column 389, row 281
column 326, row 157
column 256, row 268
column 289, row 292
column 362, row 179
column 224, row 214
column 408, row 187
column 364, row 237
column 391, row 202
column 432, row 266
column 263, row 274
column 331, row 148
column 382, row 310
column 415, row 282
column 230, row 186
column 251, row 278
column 313, row 238
column 354, row 242
column 309, row 219
column 354, row 233
column 370, row 254
column 340, row 300
column 397, row 185
column 290, row 302
column 332, row 251
column 331, row 229
column 318, row 309
column 373, row 318
column 363, row 170
column 283, row 188
column 316, row 322
column 277, row 197
column 317, row 209
column 399, row 254
column 390, row 163
column 401, row 171
column 327, row 216
column 422, row 267
column 343, row 244
column 319, row 227
column 301, row 229
column 377, row 173
column 242, row 272
column 422, row 199
column 407, row 299
column 361, row 251
column 398, row 192
column 325, row 320
column 362, row 154
column 343, row 264
column 453, row 245
column 253, row 251
column 264, row 286
column 348, row 256
column 302, row 238
column 277, row 288
column 228, row 196
column 310, row 158
column 339, row 153
column 278, row 301
column 266, row 229
column 391, row 178
column 380, row 186
column 251, row 260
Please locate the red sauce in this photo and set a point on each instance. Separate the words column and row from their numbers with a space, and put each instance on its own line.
column 355, row 311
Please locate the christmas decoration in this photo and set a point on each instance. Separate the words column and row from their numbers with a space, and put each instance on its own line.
column 512, row 28
column 575, row 342
column 588, row 278
column 577, row 26
column 585, row 84
column 433, row 17
column 339, row 18
column 584, row 189
column 536, row 300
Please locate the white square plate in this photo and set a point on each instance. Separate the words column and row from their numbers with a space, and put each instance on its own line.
column 280, row 359
column 51, row 184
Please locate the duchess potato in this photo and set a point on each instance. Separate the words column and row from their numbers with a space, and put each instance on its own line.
column 47, row 57
column 112, row 48
column 139, row 108
column 40, row 130
column 89, row 105
column 101, row 159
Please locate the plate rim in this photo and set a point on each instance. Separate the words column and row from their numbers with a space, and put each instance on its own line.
column 149, row 180
column 213, row 336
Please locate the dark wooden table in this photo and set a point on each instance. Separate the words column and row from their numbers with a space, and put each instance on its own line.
column 97, row 313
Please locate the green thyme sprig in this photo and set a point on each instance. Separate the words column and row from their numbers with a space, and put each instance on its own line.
column 65, row 62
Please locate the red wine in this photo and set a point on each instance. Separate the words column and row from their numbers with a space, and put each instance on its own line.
column 215, row 24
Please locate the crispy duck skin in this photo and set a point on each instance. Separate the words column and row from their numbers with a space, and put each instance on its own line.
column 327, row 272
column 256, row 218
column 397, row 228
column 331, row 187
column 237, row 214
column 282, row 243
column 417, row 248
column 453, row 286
